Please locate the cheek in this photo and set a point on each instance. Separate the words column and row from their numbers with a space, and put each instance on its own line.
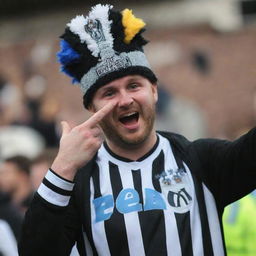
column 148, row 99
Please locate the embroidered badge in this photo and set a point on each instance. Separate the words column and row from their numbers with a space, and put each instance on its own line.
column 176, row 188
column 112, row 64
column 94, row 28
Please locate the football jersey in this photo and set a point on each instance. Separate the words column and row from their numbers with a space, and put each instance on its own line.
column 152, row 206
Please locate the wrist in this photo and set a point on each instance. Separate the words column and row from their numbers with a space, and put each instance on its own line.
column 64, row 170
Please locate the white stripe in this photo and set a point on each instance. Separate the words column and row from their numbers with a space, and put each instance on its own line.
column 172, row 234
column 74, row 251
column 98, row 228
column 8, row 244
column 195, row 222
column 132, row 223
column 214, row 223
column 88, row 247
column 52, row 197
column 59, row 182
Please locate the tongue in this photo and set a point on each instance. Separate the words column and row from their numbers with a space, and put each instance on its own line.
column 129, row 120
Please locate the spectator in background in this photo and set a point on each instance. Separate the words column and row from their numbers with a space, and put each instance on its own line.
column 8, row 244
column 240, row 226
column 179, row 115
column 10, row 214
column 40, row 165
column 46, row 122
column 10, row 226
column 43, row 109
column 10, row 97
column 15, row 180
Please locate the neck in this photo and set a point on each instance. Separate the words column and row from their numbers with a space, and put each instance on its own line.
column 133, row 151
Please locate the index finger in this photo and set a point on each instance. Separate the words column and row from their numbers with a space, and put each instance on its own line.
column 100, row 114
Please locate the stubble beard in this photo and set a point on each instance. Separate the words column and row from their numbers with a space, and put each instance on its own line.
column 112, row 134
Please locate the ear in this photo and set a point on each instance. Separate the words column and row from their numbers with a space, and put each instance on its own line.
column 91, row 108
column 155, row 92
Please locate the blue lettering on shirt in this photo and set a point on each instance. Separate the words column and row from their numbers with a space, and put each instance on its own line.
column 128, row 200
column 103, row 207
column 153, row 200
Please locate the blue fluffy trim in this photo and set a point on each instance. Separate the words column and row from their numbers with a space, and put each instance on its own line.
column 66, row 56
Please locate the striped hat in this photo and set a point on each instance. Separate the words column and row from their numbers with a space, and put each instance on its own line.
column 103, row 46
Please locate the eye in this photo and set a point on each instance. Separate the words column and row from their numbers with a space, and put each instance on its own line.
column 133, row 86
column 108, row 93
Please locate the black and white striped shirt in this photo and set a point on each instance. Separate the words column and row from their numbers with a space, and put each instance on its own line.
column 153, row 206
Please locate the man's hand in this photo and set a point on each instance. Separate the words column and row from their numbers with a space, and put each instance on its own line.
column 79, row 144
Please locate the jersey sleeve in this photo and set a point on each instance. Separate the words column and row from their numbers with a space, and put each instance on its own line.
column 228, row 168
column 51, row 224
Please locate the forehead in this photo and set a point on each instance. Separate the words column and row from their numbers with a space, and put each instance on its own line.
column 123, row 81
column 7, row 167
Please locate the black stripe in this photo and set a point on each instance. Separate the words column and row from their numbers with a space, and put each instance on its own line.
column 157, row 170
column 116, row 234
column 152, row 222
column 56, row 189
column 56, row 174
column 136, row 175
column 206, row 235
column 96, row 182
column 183, row 220
column 80, row 241
column 183, row 225
column 86, row 190
column 178, row 160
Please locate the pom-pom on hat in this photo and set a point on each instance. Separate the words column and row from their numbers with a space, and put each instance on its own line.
column 103, row 46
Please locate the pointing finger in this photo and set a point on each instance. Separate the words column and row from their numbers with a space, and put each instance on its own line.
column 100, row 114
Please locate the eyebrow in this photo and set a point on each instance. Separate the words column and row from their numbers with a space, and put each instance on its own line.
column 134, row 79
column 106, row 88
column 112, row 86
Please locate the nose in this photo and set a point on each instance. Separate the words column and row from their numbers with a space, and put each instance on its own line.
column 125, row 99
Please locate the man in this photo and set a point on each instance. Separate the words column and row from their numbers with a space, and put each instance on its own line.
column 15, row 181
column 140, row 192
column 40, row 164
column 10, row 214
column 7, row 240
column 10, row 226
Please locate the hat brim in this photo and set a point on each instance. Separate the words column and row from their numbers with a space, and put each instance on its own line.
column 134, row 70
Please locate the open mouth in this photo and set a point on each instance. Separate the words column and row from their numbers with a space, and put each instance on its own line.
column 129, row 119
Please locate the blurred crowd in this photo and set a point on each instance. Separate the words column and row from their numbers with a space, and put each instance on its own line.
column 29, row 107
column 29, row 139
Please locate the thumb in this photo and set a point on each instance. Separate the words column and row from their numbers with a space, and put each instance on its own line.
column 65, row 128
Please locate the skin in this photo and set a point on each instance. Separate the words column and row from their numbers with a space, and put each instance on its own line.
column 14, row 181
column 119, row 98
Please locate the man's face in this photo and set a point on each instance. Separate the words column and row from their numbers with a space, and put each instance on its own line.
column 9, row 177
column 132, row 119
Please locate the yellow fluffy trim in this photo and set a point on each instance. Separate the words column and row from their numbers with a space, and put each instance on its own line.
column 131, row 24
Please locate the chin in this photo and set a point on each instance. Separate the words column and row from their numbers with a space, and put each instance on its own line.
column 135, row 138
column 129, row 140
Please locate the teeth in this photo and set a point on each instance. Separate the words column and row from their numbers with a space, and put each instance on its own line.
column 130, row 114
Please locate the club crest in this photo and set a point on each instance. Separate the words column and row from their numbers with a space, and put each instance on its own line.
column 176, row 188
